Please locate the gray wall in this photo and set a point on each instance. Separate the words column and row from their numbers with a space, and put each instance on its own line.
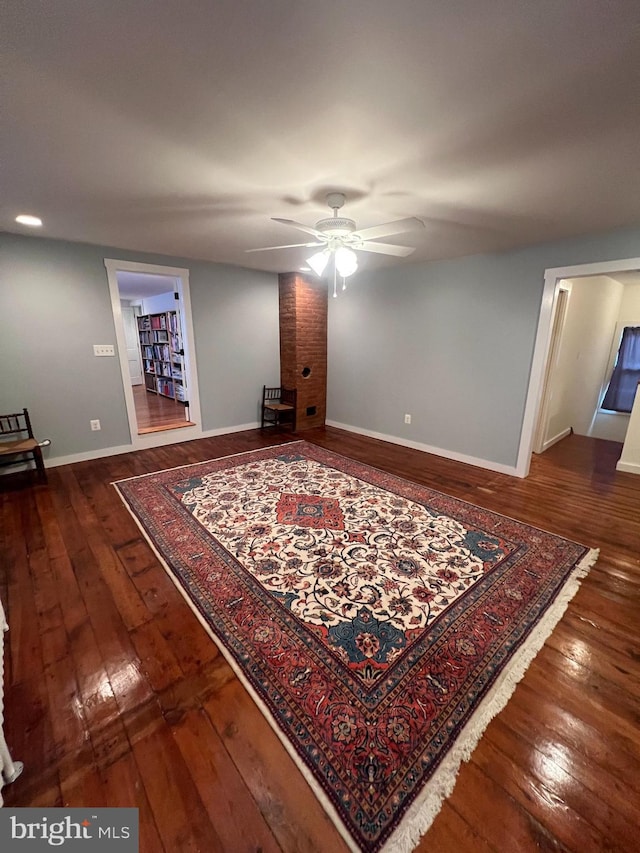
column 449, row 342
column 55, row 304
column 159, row 303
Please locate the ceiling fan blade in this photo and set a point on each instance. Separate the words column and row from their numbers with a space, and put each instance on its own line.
column 290, row 246
column 400, row 226
column 386, row 249
column 299, row 225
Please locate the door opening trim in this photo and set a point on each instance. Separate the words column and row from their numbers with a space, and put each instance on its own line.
column 543, row 343
column 172, row 436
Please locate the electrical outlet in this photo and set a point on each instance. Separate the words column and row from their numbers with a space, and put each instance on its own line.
column 95, row 425
column 407, row 419
column 104, row 349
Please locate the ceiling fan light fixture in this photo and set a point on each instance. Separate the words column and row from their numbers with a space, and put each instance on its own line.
column 318, row 262
column 28, row 219
column 338, row 236
column 346, row 261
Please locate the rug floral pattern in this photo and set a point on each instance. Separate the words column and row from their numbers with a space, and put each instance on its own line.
column 369, row 614
column 366, row 569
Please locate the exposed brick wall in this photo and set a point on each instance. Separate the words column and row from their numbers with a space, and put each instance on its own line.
column 303, row 343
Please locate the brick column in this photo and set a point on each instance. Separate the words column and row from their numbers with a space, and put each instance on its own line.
column 303, row 345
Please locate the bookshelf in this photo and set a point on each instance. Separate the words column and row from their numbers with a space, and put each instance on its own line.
column 161, row 350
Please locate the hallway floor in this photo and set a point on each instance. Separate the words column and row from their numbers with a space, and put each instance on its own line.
column 155, row 413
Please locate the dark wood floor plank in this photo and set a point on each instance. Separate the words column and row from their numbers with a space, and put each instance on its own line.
column 180, row 816
column 24, row 638
column 29, row 735
column 582, row 726
column 84, row 787
column 101, row 712
column 608, row 698
column 552, row 751
column 611, row 663
column 156, row 656
column 556, row 798
column 123, row 787
column 117, row 695
column 449, row 832
column 230, row 806
column 496, row 816
column 268, row 771
column 129, row 685
column 194, row 690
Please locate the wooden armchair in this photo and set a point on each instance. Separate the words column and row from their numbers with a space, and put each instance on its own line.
column 17, row 440
column 278, row 407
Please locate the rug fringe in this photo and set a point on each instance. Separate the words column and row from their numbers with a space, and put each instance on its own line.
column 425, row 808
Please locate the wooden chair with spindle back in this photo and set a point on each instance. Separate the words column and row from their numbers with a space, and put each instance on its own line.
column 279, row 406
column 17, row 441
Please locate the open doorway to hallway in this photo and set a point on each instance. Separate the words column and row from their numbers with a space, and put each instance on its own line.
column 154, row 336
column 574, row 356
column 151, row 306
column 582, row 357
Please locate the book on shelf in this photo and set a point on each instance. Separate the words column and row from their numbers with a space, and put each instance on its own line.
column 160, row 339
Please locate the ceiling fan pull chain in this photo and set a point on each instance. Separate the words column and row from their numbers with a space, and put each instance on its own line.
column 344, row 283
column 335, row 279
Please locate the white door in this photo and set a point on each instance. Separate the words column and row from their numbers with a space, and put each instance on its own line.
column 133, row 345
column 182, row 393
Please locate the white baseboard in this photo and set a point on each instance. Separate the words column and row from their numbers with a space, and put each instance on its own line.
column 556, row 438
column 628, row 467
column 209, row 433
column 511, row 470
column 104, row 452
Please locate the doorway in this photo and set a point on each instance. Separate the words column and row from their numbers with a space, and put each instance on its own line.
column 543, row 343
column 154, row 336
column 154, row 330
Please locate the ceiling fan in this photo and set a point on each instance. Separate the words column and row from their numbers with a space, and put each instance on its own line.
column 338, row 236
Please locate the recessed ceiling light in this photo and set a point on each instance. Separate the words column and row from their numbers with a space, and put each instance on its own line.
column 305, row 269
column 27, row 219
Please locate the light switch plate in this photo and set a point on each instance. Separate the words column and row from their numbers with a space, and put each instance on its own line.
column 104, row 349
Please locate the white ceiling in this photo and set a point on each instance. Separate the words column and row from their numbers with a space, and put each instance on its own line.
column 135, row 285
column 182, row 127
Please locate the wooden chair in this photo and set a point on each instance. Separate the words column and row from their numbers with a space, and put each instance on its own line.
column 17, row 440
column 279, row 406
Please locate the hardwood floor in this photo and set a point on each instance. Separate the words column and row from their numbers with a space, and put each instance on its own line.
column 155, row 412
column 115, row 695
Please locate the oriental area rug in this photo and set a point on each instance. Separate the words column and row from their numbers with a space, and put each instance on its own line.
column 379, row 625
